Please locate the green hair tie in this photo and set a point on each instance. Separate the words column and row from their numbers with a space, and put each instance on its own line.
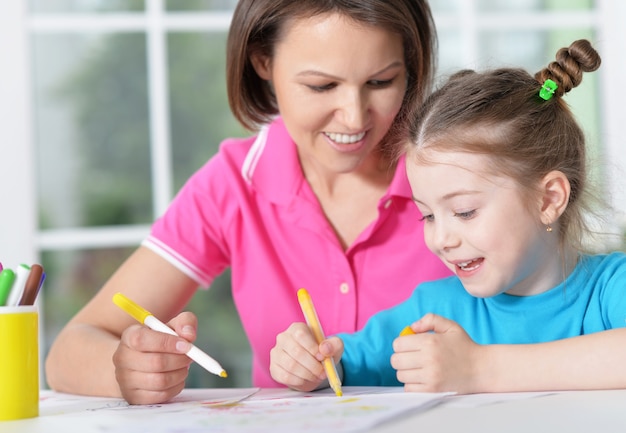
column 547, row 89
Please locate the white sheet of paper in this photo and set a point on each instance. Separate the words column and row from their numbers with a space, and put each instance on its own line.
column 236, row 410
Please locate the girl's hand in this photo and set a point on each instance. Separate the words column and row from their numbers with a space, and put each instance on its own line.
column 151, row 366
column 439, row 357
column 296, row 359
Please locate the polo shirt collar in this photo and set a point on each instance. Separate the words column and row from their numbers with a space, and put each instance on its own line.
column 272, row 165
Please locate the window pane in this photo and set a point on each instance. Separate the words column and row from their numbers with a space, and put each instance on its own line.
column 200, row 5
column 530, row 49
column 450, row 55
column 58, row 6
column 533, row 5
column 72, row 278
column 200, row 117
column 444, row 6
column 91, row 114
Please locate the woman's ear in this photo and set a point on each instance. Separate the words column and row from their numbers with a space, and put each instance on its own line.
column 262, row 65
column 555, row 191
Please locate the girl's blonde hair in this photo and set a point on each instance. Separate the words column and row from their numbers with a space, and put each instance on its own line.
column 499, row 113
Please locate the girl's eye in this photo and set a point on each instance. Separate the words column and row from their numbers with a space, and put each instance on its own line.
column 428, row 218
column 466, row 215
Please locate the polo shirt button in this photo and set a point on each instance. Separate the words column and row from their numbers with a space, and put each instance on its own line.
column 387, row 204
column 344, row 288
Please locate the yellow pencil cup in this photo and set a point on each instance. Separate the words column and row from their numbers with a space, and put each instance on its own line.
column 19, row 362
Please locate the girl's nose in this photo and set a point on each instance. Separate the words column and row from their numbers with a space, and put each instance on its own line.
column 444, row 237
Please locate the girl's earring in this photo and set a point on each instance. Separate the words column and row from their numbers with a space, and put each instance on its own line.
column 548, row 228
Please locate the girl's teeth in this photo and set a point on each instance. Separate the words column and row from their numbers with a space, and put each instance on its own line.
column 464, row 266
column 345, row 138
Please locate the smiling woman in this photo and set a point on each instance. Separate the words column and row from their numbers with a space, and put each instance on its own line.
column 310, row 201
column 351, row 102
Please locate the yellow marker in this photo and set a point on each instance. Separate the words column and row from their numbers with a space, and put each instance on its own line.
column 406, row 331
column 314, row 323
column 145, row 317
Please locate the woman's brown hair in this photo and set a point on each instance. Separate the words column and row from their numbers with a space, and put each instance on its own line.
column 257, row 26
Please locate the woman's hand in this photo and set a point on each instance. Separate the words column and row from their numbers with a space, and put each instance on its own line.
column 439, row 357
column 150, row 366
column 296, row 359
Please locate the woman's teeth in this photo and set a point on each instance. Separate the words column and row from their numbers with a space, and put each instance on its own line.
column 345, row 138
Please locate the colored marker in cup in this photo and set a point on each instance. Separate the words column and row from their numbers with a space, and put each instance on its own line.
column 32, row 285
column 7, row 276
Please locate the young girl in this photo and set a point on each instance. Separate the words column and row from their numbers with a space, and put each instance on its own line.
column 497, row 168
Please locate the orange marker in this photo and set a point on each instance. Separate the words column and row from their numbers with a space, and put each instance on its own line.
column 406, row 331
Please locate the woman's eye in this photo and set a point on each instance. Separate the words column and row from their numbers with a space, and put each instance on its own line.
column 380, row 83
column 428, row 218
column 322, row 88
column 465, row 215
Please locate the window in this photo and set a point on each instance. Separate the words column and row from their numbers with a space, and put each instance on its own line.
column 111, row 105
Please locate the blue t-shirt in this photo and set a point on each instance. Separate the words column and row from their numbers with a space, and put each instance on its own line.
column 591, row 299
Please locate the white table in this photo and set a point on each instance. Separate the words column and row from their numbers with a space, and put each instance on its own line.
column 567, row 412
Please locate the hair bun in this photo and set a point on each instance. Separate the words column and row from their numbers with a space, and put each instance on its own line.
column 571, row 62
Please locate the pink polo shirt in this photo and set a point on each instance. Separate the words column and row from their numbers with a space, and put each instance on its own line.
column 249, row 208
